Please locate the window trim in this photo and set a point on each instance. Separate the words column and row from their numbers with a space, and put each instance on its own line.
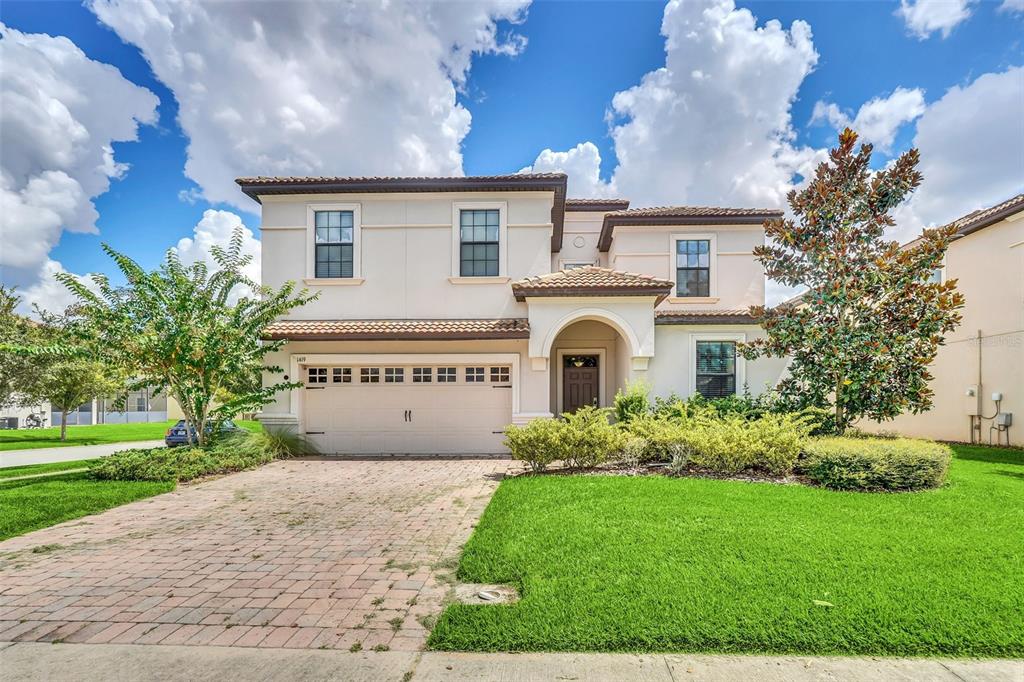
column 712, row 239
column 457, row 208
column 357, row 241
column 576, row 263
column 741, row 363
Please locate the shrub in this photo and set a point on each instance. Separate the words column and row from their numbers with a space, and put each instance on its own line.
column 588, row 439
column 237, row 453
column 680, row 458
column 658, row 434
column 632, row 403
column 733, row 444
column 633, row 449
column 538, row 443
column 876, row 463
column 284, row 442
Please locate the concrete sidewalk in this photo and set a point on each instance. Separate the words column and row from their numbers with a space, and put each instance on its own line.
column 17, row 458
column 111, row 662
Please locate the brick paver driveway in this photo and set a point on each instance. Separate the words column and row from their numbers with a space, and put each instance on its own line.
column 317, row 554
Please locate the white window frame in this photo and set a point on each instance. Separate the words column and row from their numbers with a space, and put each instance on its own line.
column 741, row 363
column 457, row 208
column 357, row 244
column 712, row 239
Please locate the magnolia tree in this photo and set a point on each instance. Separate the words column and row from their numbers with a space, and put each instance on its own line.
column 177, row 330
column 871, row 321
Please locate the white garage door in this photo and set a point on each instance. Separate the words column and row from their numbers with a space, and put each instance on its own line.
column 422, row 409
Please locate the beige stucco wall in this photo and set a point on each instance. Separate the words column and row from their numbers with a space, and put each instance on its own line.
column 406, row 255
column 672, row 366
column 738, row 278
column 579, row 240
column 989, row 268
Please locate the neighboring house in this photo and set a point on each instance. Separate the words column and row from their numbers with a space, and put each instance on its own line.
column 985, row 355
column 452, row 307
column 139, row 407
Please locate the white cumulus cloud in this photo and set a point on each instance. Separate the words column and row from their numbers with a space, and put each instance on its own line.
column 309, row 88
column 60, row 116
column 215, row 229
column 49, row 294
column 925, row 17
column 713, row 125
column 878, row 120
column 583, row 165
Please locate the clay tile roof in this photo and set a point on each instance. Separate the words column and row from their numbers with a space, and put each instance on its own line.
column 257, row 186
column 399, row 330
column 703, row 317
column 591, row 281
column 683, row 215
column 976, row 220
column 600, row 205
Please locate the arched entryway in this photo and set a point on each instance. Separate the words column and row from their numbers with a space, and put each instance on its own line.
column 590, row 360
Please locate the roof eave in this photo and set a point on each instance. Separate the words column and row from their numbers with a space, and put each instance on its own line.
column 987, row 221
column 604, row 242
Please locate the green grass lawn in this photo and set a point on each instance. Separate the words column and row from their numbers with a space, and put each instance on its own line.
column 24, row 439
column 660, row 564
column 37, row 503
column 34, row 469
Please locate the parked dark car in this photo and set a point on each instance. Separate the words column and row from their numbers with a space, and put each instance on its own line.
column 176, row 435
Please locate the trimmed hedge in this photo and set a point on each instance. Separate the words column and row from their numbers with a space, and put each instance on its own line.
column 581, row 440
column 876, row 463
column 237, row 453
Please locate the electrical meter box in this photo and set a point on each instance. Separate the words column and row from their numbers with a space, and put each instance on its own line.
column 1004, row 419
column 971, row 401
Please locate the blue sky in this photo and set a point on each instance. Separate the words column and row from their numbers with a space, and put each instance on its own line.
column 554, row 93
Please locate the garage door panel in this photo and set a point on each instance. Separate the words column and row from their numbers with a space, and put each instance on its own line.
column 357, row 418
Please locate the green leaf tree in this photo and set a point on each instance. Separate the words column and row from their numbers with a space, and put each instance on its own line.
column 20, row 373
column 72, row 382
column 872, row 319
column 177, row 330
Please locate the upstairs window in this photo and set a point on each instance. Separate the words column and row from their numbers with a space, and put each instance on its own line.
column 334, row 240
column 716, row 368
column 693, row 268
column 478, row 242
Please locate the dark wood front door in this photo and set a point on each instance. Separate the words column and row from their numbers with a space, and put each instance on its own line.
column 580, row 382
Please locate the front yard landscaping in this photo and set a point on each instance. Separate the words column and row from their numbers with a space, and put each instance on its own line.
column 656, row 563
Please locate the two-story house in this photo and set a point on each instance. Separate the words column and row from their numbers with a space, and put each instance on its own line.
column 452, row 307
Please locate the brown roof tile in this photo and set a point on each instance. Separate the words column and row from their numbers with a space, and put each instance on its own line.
column 703, row 317
column 976, row 220
column 401, row 330
column 596, row 204
column 591, row 280
column 682, row 215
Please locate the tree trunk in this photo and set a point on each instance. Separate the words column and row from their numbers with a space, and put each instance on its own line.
column 63, row 425
column 840, row 412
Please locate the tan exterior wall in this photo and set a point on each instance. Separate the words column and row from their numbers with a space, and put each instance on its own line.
column 989, row 268
column 405, row 247
column 671, row 369
column 737, row 280
column 579, row 240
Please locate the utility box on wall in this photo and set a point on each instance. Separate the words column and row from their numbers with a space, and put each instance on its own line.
column 971, row 401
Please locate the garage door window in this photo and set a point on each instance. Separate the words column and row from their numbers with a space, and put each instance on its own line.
column 342, row 375
column 317, row 375
column 422, row 375
column 500, row 374
column 369, row 375
column 446, row 375
column 474, row 375
column 394, row 375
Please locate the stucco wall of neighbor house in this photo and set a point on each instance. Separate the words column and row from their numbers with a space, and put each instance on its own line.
column 406, row 252
column 579, row 240
column 738, row 279
column 672, row 367
column 989, row 268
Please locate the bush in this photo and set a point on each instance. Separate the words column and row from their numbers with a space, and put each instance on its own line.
column 588, row 439
column 236, row 453
column 876, row 463
column 632, row 403
column 538, row 443
column 659, row 435
column 733, row 444
column 284, row 442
